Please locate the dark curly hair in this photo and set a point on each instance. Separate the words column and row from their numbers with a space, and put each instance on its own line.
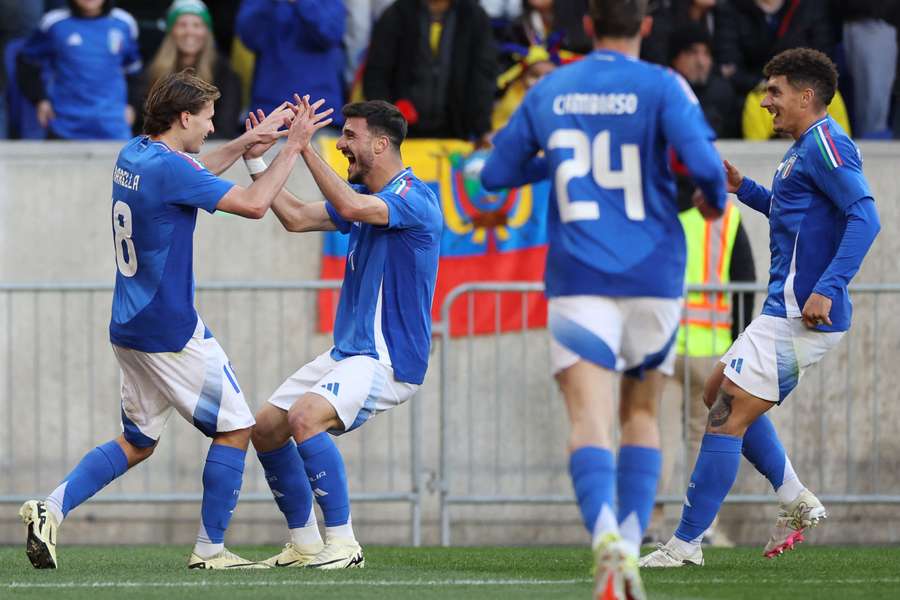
column 805, row 67
column 172, row 95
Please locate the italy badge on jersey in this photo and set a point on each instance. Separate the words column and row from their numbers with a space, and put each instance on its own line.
column 786, row 169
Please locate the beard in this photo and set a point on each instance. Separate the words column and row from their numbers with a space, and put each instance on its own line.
column 361, row 169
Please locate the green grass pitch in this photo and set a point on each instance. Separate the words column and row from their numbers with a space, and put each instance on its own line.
column 541, row 572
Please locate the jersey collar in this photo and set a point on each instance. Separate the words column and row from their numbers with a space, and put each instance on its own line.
column 397, row 177
column 813, row 126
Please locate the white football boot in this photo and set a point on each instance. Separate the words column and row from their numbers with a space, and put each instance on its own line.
column 616, row 574
column 226, row 559
column 294, row 555
column 40, row 545
column 670, row 555
column 338, row 553
column 804, row 512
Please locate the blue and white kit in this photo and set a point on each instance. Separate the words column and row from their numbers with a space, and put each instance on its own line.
column 605, row 125
column 382, row 331
column 822, row 220
column 169, row 358
column 89, row 59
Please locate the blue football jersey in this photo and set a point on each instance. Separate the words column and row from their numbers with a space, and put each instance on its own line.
column 384, row 309
column 87, row 59
column 605, row 124
column 818, row 180
column 155, row 197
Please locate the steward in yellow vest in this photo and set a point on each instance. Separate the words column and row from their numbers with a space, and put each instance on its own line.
column 706, row 328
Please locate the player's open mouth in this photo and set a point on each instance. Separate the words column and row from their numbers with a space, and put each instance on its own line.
column 350, row 158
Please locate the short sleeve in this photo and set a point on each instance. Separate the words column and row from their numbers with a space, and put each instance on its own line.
column 131, row 56
column 191, row 184
column 342, row 224
column 405, row 208
column 837, row 168
column 681, row 116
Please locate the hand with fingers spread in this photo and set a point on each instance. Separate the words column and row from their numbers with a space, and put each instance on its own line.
column 307, row 121
column 733, row 178
column 266, row 130
column 816, row 311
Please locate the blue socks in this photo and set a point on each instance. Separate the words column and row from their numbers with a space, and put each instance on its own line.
column 98, row 467
column 325, row 470
column 714, row 474
column 287, row 480
column 222, row 477
column 593, row 474
column 637, row 476
column 765, row 451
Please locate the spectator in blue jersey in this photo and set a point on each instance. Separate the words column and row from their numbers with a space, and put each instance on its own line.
column 297, row 44
column 436, row 61
column 382, row 331
column 89, row 56
column 616, row 260
column 189, row 43
column 168, row 356
column 823, row 220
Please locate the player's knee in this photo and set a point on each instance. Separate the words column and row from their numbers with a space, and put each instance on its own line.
column 305, row 420
column 135, row 454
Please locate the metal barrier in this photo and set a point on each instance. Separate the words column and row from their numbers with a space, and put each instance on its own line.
column 55, row 363
column 503, row 424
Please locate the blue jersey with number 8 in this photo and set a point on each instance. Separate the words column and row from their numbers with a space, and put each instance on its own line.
column 605, row 125
column 155, row 197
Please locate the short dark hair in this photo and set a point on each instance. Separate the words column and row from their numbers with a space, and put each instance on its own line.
column 805, row 67
column 686, row 36
column 382, row 117
column 174, row 94
column 617, row 18
column 104, row 10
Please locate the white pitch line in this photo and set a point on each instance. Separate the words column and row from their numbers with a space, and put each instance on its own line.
column 284, row 583
column 755, row 580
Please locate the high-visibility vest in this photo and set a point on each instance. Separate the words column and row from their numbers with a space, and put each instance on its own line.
column 706, row 323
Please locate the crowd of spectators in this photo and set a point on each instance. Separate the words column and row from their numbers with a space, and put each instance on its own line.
column 79, row 69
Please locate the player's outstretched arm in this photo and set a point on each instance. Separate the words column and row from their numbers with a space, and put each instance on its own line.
column 349, row 204
column 253, row 202
column 294, row 214
column 749, row 192
column 267, row 133
column 514, row 161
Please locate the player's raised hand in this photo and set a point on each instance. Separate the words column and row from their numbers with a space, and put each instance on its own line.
column 816, row 310
column 733, row 177
column 307, row 120
column 266, row 130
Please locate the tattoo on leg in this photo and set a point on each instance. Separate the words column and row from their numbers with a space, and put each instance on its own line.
column 721, row 410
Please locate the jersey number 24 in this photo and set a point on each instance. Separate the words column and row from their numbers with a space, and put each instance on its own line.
column 126, row 257
column 627, row 179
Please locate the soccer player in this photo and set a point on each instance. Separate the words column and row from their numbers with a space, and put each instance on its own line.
column 616, row 260
column 382, row 332
column 168, row 357
column 822, row 220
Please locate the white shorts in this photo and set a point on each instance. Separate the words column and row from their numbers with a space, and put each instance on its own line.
column 198, row 382
column 769, row 357
column 357, row 387
column 621, row 334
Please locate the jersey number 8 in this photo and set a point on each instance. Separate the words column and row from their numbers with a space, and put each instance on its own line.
column 628, row 179
column 126, row 257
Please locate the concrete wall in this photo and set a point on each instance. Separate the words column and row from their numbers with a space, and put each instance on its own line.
column 507, row 421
